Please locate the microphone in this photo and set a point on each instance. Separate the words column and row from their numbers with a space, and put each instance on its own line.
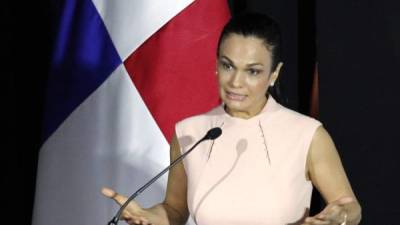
column 212, row 134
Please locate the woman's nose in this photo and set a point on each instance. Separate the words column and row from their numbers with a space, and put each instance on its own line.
column 236, row 79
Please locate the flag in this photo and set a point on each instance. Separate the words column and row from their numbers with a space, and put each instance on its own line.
column 123, row 73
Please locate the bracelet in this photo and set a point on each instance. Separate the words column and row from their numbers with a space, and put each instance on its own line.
column 344, row 220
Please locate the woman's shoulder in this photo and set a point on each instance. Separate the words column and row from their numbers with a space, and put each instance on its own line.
column 292, row 124
column 294, row 117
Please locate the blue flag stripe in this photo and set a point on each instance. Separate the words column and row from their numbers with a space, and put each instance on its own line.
column 84, row 56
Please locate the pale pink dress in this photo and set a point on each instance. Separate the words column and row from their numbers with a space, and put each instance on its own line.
column 254, row 173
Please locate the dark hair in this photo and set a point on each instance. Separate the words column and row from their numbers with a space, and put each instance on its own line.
column 256, row 25
column 263, row 27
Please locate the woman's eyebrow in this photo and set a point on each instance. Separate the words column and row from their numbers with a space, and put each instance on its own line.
column 254, row 64
column 227, row 59
column 247, row 65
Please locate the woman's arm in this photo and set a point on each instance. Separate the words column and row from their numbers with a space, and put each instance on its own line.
column 325, row 170
column 175, row 202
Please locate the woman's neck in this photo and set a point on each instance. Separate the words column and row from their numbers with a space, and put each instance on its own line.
column 247, row 114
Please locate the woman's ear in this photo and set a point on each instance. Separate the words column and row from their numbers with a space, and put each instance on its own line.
column 216, row 66
column 275, row 74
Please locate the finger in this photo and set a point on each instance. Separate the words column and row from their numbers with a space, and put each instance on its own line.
column 120, row 199
column 126, row 216
column 139, row 220
column 330, row 213
column 131, row 222
column 130, row 217
column 107, row 192
column 316, row 221
column 335, row 215
column 134, row 221
column 144, row 220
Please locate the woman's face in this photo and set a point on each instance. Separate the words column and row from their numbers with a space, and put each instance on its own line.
column 244, row 74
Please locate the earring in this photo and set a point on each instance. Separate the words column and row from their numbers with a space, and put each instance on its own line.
column 272, row 84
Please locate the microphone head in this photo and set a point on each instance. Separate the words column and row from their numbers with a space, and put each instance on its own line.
column 213, row 133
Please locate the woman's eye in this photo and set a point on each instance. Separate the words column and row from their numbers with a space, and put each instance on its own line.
column 253, row 71
column 226, row 66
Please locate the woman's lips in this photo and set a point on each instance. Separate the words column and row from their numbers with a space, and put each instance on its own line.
column 235, row 96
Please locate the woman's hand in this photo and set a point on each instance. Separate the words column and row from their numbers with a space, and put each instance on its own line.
column 333, row 214
column 133, row 213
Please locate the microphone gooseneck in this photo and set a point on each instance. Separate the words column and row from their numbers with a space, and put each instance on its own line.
column 212, row 134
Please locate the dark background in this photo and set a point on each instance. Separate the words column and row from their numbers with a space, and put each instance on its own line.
column 357, row 47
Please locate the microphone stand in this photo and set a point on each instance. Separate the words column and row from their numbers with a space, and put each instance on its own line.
column 211, row 134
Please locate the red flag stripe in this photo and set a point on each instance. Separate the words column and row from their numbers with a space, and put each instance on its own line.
column 174, row 70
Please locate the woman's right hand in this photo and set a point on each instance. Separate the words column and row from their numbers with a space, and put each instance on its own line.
column 133, row 213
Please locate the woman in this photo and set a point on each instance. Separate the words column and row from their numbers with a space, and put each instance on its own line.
column 263, row 167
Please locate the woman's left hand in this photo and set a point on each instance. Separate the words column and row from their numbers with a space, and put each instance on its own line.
column 333, row 214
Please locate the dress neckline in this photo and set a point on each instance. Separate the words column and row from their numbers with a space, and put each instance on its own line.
column 270, row 106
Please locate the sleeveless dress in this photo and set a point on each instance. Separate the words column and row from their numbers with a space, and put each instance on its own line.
column 254, row 173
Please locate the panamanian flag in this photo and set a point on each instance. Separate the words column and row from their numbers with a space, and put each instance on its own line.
column 123, row 73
